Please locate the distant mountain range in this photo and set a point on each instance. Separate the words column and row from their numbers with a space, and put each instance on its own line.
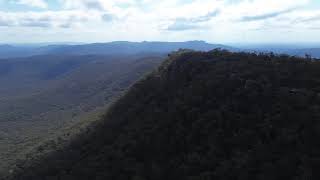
column 301, row 52
column 130, row 48
column 119, row 47
column 314, row 52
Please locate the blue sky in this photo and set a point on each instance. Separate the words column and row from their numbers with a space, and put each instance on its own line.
column 216, row 21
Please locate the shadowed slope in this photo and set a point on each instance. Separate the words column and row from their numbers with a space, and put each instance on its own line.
column 215, row 115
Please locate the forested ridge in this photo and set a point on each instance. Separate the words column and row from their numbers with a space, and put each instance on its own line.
column 200, row 116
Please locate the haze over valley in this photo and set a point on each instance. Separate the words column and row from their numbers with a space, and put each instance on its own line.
column 159, row 90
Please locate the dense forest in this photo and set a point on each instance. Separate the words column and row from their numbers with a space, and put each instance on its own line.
column 202, row 116
column 51, row 95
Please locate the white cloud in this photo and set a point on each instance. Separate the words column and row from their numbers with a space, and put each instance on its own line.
column 52, row 19
column 33, row 3
column 237, row 20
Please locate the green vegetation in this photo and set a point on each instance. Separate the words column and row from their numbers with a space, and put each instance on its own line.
column 42, row 96
column 202, row 115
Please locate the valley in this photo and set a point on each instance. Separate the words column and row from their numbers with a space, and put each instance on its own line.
column 159, row 90
column 65, row 99
column 42, row 95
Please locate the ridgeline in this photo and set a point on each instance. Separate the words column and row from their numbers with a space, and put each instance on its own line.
column 200, row 116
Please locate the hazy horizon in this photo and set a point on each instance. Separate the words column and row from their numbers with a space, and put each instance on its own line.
column 243, row 45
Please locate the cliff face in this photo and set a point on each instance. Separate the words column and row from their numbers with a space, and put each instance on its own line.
column 215, row 115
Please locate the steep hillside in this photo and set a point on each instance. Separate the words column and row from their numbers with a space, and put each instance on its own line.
column 19, row 76
column 215, row 115
column 43, row 94
column 64, row 80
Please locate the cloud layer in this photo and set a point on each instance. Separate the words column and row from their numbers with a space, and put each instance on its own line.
column 33, row 3
column 212, row 20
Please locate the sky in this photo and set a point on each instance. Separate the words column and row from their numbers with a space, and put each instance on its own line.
column 215, row 21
